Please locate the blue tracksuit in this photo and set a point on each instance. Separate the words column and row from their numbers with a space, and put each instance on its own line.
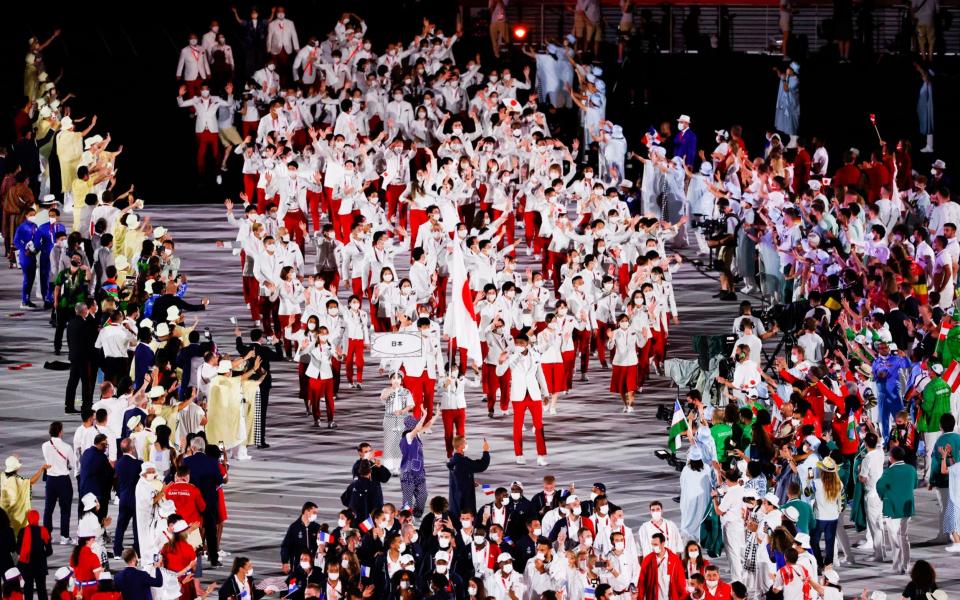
column 44, row 240
column 886, row 372
column 28, row 259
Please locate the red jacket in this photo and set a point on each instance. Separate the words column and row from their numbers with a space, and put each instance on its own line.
column 648, row 583
column 722, row 593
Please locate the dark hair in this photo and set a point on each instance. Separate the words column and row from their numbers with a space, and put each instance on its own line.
column 238, row 563
column 56, row 428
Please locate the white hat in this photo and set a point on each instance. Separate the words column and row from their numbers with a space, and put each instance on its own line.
column 596, row 99
column 772, row 498
column 133, row 221
column 48, row 199
column 813, row 440
column 11, row 574
column 803, row 539
column 814, row 184
column 683, row 118
column 504, row 557
column 571, row 38
column 617, row 132
column 180, row 526
column 47, row 86
column 601, row 86
column 90, row 141
column 66, row 123
column 159, row 232
column 407, row 559
column 626, row 184
column 597, row 70
column 122, row 263
column 162, row 330
column 442, row 555
column 749, row 493
column 42, row 77
column 937, row 595
column 791, row 513
column 706, row 168
column 148, row 323
column 157, row 390
column 89, row 501
column 30, row 58
column 173, row 313
column 591, row 78
column 11, row 464
column 147, row 466
column 795, row 66
column 157, row 422
column 937, row 368
column 552, row 49
column 830, row 575
column 166, row 508
column 133, row 421
column 224, row 367
column 45, row 112
column 516, row 483
column 571, row 499
column 62, row 573
column 938, row 164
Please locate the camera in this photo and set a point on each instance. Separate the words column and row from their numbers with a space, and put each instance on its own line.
column 713, row 229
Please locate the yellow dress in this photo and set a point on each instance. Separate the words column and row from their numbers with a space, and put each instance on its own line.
column 15, row 499
column 250, row 388
column 133, row 244
column 80, row 189
column 69, row 151
column 223, row 411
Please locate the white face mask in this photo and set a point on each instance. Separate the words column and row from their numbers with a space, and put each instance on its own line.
column 656, row 549
column 250, row 573
column 388, row 278
column 693, row 554
column 305, row 565
column 333, row 576
column 604, row 509
column 472, row 591
column 588, row 542
column 479, row 540
column 312, row 518
column 311, row 327
column 656, row 515
column 444, row 542
column 341, row 522
column 343, row 563
column 507, row 568
column 576, row 510
column 333, row 312
column 205, row 93
column 538, row 532
column 515, row 495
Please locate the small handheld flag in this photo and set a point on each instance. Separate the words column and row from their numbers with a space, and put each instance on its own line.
column 677, row 426
column 324, row 538
column 487, row 489
column 367, row 525
column 364, row 571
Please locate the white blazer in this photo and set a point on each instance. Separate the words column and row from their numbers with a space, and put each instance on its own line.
column 526, row 375
column 282, row 35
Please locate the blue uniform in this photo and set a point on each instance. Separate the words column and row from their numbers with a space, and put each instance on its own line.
column 23, row 242
column 44, row 240
column 787, row 118
column 685, row 146
column 886, row 372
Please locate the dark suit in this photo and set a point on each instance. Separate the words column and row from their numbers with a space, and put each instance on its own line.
column 81, row 338
column 254, row 44
column 266, row 354
column 126, row 474
column 363, row 496
column 205, row 474
column 229, row 589
column 135, row 584
column 96, row 477
column 462, row 470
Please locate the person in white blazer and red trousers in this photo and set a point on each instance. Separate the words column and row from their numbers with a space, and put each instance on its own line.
column 528, row 387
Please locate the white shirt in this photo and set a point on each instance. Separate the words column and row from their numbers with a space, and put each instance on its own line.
column 82, row 439
column 871, row 469
column 731, row 506
column 59, row 456
column 206, row 111
column 113, row 340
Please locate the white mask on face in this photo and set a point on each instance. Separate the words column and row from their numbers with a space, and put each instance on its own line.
column 507, row 568
column 618, row 546
column 205, row 93
column 336, row 575
column 444, row 542
column 305, row 565
column 693, row 554
column 343, row 563
column 538, row 532
column 341, row 522
column 576, row 510
column 311, row 327
column 515, row 495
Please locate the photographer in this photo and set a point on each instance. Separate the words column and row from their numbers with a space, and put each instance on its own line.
column 724, row 239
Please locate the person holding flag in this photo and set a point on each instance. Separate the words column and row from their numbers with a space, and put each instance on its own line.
column 935, row 403
column 460, row 324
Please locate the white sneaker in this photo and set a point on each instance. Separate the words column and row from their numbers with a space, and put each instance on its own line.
column 500, row 413
column 521, row 460
column 219, row 180
column 542, row 461
column 65, row 541
column 223, row 553
column 953, row 548
column 553, row 409
column 629, row 409
column 624, row 409
column 529, row 250
column 747, row 289
column 927, row 150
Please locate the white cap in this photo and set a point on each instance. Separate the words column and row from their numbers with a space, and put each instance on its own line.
column 66, row 123
column 173, row 313
column 62, row 573
column 180, row 526
column 11, row 574
column 442, row 555
column 803, row 539
column 157, row 422
column 504, row 557
column 830, row 575
column 159, row 232
column 791, row 513
column 162, row 330
column 571, row 38
column 45, row 112
column 937, row 368
column 407, row 559
column 133, row 421
column 90, row 141
column 157, row 390
column 147, row 466
column 683, row 119
column 224, row 367
column 706, row 168
column 571, row 499
column 133, row 221
column 772, row 499
column 938, row 164
column 814, row 184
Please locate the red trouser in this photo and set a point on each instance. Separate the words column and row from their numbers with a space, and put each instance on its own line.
column 492, row 383
column 569, row 359
column 393, row 192
column 292, row 221
column 601, row 341
column 293, row 322
column 530, row 228
column 342, row 227
column 357, row 287
column 536, row 412
column 270, row 312
column 261, row 200
column 582, row 340
column 422, row 389
column 193, row 88
column 417, row 218
column 354, row 356
column 455, row 417
column 251, row 295
column 333, row 204
column 313, row 202
column 643, row 367
column 511, row 226
column 441, row 296
column 659, row 350
column 249, row 129
column 557, row 259
column 207, row 140
column 316, row 389
column 250, row 185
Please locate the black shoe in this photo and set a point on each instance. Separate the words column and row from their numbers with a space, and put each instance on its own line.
column 57, row 352
column 718, row 294
column 71, row 411
column 215, row 564
column 47, row 305
column 29, row 305
column 263, row 446
column 728, row 297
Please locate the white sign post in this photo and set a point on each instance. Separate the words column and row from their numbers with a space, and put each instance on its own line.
column 395, row 345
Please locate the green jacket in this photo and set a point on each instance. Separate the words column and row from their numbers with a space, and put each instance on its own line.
column 895, row 488
column 806, row 522
column 936, row 402
column 953, row 440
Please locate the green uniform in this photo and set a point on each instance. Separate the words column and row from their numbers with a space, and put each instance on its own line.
column 807, row 521
column 895, row 488
column 936, row 402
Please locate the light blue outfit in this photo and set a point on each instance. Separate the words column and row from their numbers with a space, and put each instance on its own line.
column 787, row 118
column 925, row 108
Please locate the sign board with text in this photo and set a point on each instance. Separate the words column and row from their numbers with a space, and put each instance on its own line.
column 395, row 345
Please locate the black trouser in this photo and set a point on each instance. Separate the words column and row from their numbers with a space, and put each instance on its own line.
column 126, row 516
column 59, row 490
column 63, row 316
column 211, row 518
column 270, row 316
column 264, row 402
column 33, row 578
column 114, row 368
column 81, row 371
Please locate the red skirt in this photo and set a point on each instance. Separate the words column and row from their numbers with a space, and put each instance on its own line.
column 623, row 379
column 555, row 376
